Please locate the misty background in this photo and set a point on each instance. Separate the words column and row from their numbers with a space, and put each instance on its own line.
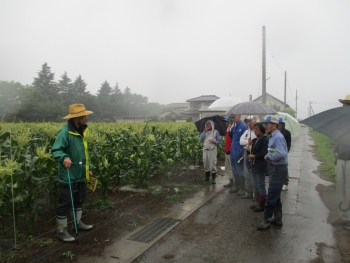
column 171, row 51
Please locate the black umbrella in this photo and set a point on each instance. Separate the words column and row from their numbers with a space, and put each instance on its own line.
column 333, row 123
column 251, row 108
column 219, row 123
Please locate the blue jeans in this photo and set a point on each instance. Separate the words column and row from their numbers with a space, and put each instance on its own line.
column 258, row 182
column 277, row 175
column 237, row 168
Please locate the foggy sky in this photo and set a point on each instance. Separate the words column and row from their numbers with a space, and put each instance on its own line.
column 174, row 50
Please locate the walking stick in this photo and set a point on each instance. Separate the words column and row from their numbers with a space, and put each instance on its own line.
column 74, row 218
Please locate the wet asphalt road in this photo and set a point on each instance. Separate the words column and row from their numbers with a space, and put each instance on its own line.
column 224, row 229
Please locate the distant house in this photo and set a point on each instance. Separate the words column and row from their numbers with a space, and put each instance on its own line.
column 273, row 102
column 197, row 104
column 174, row 111
column 131, row 119
column 220, row 106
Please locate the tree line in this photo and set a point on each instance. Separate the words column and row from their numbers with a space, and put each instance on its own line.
column 48, row 100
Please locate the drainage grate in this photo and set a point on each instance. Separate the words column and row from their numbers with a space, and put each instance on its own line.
column 148, row 233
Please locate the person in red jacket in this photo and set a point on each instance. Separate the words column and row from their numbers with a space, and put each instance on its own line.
column 227, row 149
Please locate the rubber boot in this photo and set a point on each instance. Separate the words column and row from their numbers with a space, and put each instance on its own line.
column 248, row 195
column 265, row 224
column 277, row 216
column 235, row 189
column 213, row 178
column 230, row 184
column 207, row 175
column 268, row 213
column 242, row 191
column 62, row 232
column 261, row 206
column 80, row 225
column 257, row 200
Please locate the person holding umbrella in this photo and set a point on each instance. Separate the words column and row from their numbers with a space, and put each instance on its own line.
column 74, row 169
column 211, row 138
column 277, row 157
column 342, row 155
column 237, row 154
column 227, row 149
column 248, row 134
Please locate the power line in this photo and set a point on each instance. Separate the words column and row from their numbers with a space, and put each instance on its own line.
column 275, row 59
column 281, row 70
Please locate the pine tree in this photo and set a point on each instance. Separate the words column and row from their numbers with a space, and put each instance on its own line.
column 79, row 86
column 65, row 87
column 105, row 90
column 45, row 82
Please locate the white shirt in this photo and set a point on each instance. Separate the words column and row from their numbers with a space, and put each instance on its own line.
column 245, row 136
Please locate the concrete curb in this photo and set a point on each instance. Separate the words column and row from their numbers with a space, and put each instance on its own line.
column 125, row 250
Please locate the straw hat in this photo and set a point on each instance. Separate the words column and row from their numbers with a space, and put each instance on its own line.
column 346, row 100
column 77, row 110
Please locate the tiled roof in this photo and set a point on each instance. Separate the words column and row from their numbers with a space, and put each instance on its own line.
column 190, row 112
column 267, row 94
column 176, row 112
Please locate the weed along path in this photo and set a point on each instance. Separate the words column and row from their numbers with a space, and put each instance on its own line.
column 224, row 228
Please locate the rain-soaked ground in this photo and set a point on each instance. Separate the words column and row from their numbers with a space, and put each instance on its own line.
column 224, row 229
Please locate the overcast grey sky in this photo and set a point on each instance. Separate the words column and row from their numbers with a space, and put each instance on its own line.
column 174, row 50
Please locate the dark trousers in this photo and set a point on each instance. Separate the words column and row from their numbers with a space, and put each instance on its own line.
column 277, row 176
column 237, row 168
column 64, row 198
column 286, row 181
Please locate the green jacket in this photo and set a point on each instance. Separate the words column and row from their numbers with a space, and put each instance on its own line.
column 69, row 143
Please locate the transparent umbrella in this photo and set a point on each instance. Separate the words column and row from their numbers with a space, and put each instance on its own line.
column 251, row 108
column 292, row 123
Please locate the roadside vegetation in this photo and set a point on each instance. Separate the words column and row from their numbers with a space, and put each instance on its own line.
column 324, row 150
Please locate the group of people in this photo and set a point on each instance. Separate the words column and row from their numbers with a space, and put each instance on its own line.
column 253, row 150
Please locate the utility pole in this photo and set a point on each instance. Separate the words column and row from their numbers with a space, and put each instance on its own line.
column 263, row 96
column 296, row 104
column 309, row 113
column 285, row 89
column 311, row 110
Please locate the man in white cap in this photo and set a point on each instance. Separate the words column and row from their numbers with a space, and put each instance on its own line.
column 342, row 155
column 277, row 156
column 71, row 152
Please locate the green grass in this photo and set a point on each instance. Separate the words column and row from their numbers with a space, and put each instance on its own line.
column 100, row 204
column 324, row 152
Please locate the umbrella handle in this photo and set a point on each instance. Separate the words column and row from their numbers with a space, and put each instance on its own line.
column 341, row 209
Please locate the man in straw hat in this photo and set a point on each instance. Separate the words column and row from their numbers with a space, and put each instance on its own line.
column 277, row 156
column 342, row 170
column 71, row 152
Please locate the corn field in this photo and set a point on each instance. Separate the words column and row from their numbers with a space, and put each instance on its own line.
column 120, row 154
